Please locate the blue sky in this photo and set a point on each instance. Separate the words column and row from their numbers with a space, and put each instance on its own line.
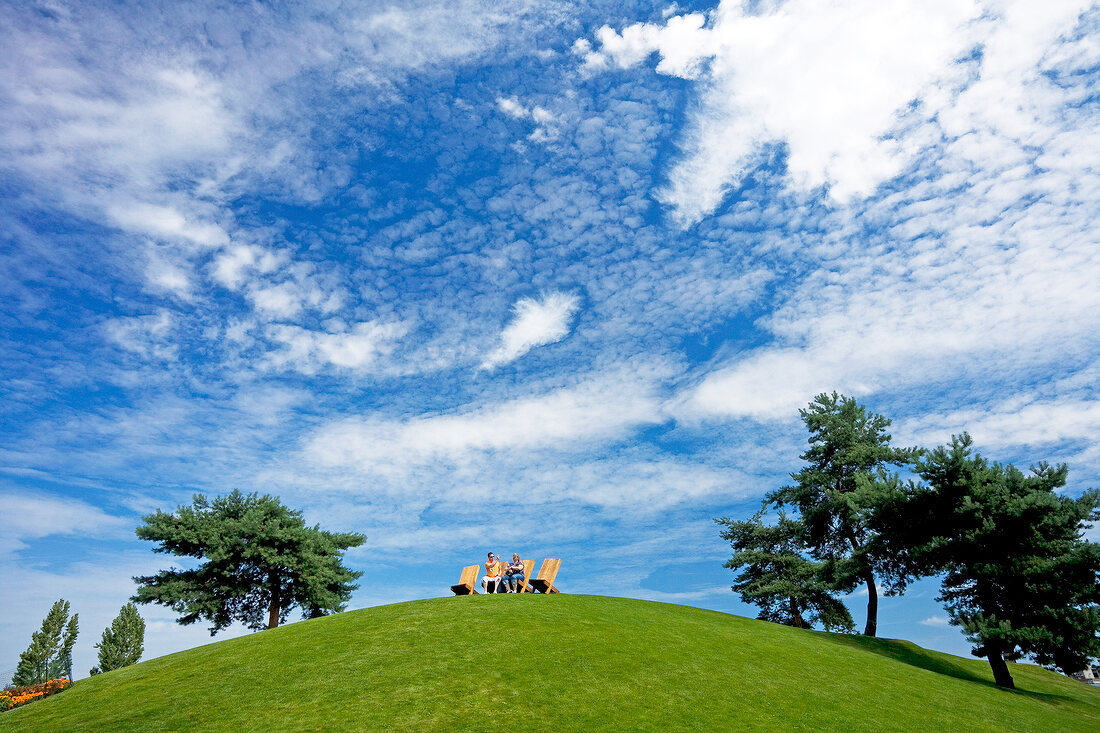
column 548, row 277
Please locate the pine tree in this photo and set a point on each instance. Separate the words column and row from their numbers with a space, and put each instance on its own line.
column 1019, row 579
column 122, row 642
column 838, row 492
column 260, row 561
column 775, row 574
column 50, row 654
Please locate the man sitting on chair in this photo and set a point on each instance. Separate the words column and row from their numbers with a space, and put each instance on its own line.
column 492, row 574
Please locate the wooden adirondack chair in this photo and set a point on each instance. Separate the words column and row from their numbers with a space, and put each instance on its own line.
column 466, row 581
column 548, row 572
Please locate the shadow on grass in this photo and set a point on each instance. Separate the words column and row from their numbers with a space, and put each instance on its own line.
column 913, row 655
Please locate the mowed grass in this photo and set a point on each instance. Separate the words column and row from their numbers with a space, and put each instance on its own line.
column 558, row 663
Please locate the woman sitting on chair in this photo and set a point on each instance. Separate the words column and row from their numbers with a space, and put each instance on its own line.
column 513, row 574
column 493, row 570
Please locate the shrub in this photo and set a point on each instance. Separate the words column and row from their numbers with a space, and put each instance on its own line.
column 15, row 696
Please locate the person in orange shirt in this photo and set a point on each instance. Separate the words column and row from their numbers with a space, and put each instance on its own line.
column 493, row 571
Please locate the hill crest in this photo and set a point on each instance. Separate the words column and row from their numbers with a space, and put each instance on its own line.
column 568, row 662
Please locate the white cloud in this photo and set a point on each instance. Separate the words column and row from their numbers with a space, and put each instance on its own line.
column 546, row 123
column 131, row 127
column 166, row 222
column 279, row 287
column 1012, row 423
column 235, row 264
column 410, row 37
column 281, row 301
column 683, row 43
column 238, row 331
column 833, row 81
column 890, row 317
column 768, row 385
column 634, row 487
column 600, row 410
column 147, row 336
column 984, row 263
column 157, row 139
column 1014, row 45
column 356, row 348
column 535, row 323
column 937, row 621
column 29, row 517
column 164, row 275
column 542, row 115
column 512, row 107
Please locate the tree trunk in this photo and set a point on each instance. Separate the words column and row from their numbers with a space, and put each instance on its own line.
column 1000, row 668
column 273, row 610
column 872, row 606
column 796, row 616
column 872, row 593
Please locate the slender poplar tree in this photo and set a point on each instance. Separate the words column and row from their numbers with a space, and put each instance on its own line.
column 122, row 642
column 50, row 654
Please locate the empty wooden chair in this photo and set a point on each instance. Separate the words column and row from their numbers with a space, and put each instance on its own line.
column 466, row 581
column 548, row 572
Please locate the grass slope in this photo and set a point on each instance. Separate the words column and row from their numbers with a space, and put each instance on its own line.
column 520, row 662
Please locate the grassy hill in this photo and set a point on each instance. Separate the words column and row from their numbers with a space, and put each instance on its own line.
column 520, row 662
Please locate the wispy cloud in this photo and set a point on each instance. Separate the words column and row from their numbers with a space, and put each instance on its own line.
column 535, row 322
column 355, row 347
column 599, row 410
column 235, row 264
column 546, row 123
column 166, row 222
column 940, row 622
column 1025, row 420
column 29, row 518
column 148, row 336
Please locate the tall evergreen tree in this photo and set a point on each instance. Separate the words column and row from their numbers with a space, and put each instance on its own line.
column 260, row 561
column 775, row 574
column 844, row 481
column 123, row 641
column 50, row 654
column 1019, row 580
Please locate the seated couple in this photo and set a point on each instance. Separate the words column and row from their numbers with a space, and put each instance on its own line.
column 502, row 577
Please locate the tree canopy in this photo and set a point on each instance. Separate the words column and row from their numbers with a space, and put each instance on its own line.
column 775, row 575
column 1019, row 580
column 122, row 642
column 1017, row 574
column 50, row 654
column 260, row 560
column 844, row 481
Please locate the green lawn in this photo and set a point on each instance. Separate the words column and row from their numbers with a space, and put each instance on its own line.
column 521, row 662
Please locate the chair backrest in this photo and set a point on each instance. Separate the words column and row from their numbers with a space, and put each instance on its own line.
column 548, row 571
column 527, row 566
column 469, row 575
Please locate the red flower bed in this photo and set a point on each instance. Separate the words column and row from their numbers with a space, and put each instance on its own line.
column 16, row 696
